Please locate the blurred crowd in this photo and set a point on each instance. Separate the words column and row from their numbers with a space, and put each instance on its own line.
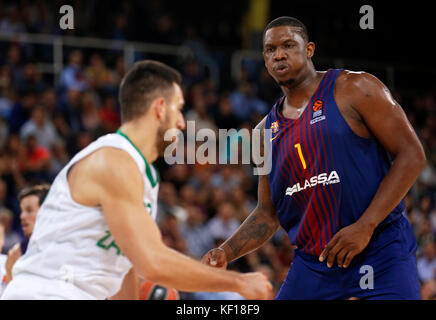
column 42, row 126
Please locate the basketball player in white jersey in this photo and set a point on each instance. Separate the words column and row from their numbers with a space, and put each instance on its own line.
column 96, row 223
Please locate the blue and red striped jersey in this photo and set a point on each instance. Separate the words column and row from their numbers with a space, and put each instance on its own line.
column 323, row 175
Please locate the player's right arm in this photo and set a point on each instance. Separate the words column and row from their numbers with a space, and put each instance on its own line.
column 111, row 179
column 257, row 229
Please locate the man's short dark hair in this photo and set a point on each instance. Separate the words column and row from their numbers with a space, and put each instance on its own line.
column 39, row 190
column 145, row 81
column 291, row 22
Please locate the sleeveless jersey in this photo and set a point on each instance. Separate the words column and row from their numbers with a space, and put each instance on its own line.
column 323, row 175
column 72, row 242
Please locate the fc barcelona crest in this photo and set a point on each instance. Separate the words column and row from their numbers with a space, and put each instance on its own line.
column 275, row 127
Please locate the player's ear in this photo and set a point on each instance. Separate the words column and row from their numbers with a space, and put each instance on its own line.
column 310, row 49
column 159, row 108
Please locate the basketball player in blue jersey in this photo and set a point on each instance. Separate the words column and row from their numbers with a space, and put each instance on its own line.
column 343, row 157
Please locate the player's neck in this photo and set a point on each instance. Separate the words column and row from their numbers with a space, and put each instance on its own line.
column 303, row 88
column 144, row 140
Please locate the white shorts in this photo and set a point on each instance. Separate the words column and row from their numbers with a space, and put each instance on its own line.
column 30, row 287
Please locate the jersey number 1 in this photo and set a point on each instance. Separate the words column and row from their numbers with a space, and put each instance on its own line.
column 300, row 153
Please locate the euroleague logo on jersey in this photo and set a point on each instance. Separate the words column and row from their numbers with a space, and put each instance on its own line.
column 317, row 105
column 322, row 178
column 317, row 112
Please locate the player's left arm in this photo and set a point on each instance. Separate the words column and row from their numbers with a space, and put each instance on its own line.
column 384, row 118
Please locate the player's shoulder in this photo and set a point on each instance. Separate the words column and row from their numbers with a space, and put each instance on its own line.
column 357, row 82
column 113, row 156
column 108, row 163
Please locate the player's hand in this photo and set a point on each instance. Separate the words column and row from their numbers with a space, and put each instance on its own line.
column 255, row 286
column 346, row 244
column 13, row 255
column 215, row 258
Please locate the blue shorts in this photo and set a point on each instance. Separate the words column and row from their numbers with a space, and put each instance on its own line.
column 386, row 269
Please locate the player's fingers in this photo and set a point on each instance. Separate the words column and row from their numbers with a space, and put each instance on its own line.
column 349, row 257
column 341, row 256
column 332, row 254
column 215, row 259
column 324, row 254
column 206, row 258
column 218, row 258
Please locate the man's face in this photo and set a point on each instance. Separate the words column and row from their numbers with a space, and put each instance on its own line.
column 173, row 119
column 285, row 53
column 29, row 209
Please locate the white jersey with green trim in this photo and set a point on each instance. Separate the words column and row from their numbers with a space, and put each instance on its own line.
column 71, row 253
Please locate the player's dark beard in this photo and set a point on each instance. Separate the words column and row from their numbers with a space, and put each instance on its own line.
column 161, row 144
column 286, row 82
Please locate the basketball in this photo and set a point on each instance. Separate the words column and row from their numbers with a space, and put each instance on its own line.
column 152, row 291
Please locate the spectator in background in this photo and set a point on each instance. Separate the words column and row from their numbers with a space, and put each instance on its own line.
column 83, row 139
column 216, row 198
column 427, row 263
column 63, row 130
column 242, row 205
column 199, row 114
column 225, row 119
column 165, row 31
column 98, row 76
column 109, row 115
column 90, row 116
column 245, row 104
column 21, row 110
column 7, row 93
column 196, row 234
column 49, row 101
column 11, row 237
column 59, row 158
column 188, row 197
column 178, row 174
column 41, row 127
column 424, row 234
column 14, row 62
column 192, row 74
column 32, row 79
column 226, row 179
column 169, row 203
column 3, row 258
column 169, row 226
column 73, row 77
column 4, row 131
column 70, row 108
column 36, row 160
column 31, row 199
column 11, row 165
column 224, row 223
column 3, row 191
column 120, row 27
column 424, row 212
column 12, row 22
column 120, row 70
